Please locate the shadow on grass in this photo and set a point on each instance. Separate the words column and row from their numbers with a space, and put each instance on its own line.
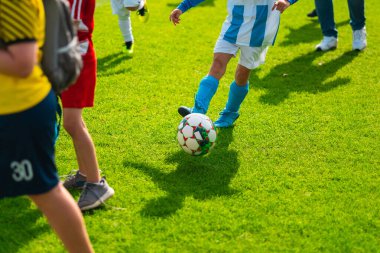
column 205, row 3
column 307, row 33
column 18, row 223
column 199, row 177
column 299, row 75
column 108, row 64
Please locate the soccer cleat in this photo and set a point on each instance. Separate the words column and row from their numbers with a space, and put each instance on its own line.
column 95, row 194
column 74, row 180
column 328, row 43
column 312, row 14
column 226, row 119
column 183, row 110
column 359, row 41
column 129, row 48
column 143, row 13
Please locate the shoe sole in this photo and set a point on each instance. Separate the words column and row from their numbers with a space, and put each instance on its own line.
column 109, row 193
column 73, row 187
column 224, row 126
column 231, row 125
column 218, row 126
column 358, row 49
column 318, row 49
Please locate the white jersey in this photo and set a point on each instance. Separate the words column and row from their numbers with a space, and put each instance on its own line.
column 251, row 23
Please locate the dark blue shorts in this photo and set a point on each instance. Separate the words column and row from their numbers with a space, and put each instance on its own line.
column 27, row 164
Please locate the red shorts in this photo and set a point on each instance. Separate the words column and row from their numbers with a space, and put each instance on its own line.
column 82, row 93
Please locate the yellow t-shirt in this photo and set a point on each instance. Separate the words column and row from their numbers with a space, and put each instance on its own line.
column 22, row 21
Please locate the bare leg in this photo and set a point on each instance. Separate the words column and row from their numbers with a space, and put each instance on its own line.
column 242, row 75
column 83, row 144
column 219, row 65
column 209, row 84
column 65, row 217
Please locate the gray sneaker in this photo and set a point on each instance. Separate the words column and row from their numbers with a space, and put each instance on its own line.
column 74, row 180
column 94, row 194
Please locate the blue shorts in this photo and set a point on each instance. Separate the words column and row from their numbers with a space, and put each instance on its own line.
column 27, row 163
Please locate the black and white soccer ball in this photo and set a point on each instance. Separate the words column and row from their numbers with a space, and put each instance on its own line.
column 196, row 134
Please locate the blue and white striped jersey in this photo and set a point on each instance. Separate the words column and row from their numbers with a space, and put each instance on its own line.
column 248, row 23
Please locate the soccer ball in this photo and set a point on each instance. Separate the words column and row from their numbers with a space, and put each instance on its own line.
column 196, row 134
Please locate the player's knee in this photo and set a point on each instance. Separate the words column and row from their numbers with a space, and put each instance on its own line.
column 72, row 127
column 218, row 68
column 69, row 127
column 242, row 75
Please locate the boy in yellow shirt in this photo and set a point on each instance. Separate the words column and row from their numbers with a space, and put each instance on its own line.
column 27, row 123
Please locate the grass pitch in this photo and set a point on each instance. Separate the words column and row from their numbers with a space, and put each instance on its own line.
column 299, row 172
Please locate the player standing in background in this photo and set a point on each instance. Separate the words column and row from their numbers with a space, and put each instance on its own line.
column 123, row 8
column 251, row 27
column 78, row 96
column 27, row 123
column 325, row 12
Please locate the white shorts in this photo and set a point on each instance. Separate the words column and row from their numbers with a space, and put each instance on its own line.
column 119, row 6
column 250, row 57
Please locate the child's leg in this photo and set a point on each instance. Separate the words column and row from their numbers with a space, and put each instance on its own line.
column 209, row 84
column 223, row 52
column 65, row 217
column 250, row 58
column 206, row 90
column 140, row 7
column 238, row 91
column 219, row 65
column 125, row 25
column 126, row 30
column 83, row 144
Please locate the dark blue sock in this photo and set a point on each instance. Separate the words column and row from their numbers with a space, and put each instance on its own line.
column 206, row 90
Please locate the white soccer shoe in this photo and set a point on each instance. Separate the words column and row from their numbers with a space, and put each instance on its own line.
column 359, row 39
column 328, row 43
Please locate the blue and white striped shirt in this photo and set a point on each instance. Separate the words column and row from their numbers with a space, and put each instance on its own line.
column 248, row 23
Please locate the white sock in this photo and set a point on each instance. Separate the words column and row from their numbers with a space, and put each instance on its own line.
column 126, row 27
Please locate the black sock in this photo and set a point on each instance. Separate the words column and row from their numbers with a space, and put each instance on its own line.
column 128, row 44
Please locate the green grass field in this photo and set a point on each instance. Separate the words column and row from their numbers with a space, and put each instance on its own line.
column 299, row 172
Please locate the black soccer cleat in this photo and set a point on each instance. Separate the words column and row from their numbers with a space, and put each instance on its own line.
column 183, row 111
column 143, row 13
column 129, row 48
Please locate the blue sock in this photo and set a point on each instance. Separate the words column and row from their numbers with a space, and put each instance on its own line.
column 206, row 90
column 236, row 96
